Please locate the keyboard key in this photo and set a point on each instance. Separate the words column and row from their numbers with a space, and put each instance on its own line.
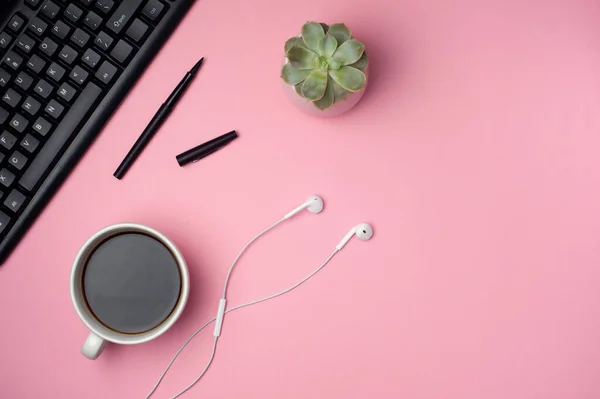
column 42, row 126
column 80, row 38
column 60, row 29
column 29, row 143
column 66, row 92
column 4, row 221
column 38, row 27
column 4, row 77
column 7, row 140
column 91, row 58
column 17, row 160
column 12, row 98
column 43, row 88
column 68, row 55
column 31, row 106
column 16, row 23
column 103, row 40
column 92, row 20
column 61, row 135
column 19, row 123
column 137, row 30
column 13, row 60
column 55, row 71
column 107, row 72
column 5, row 40
column 152, row 9
column 36, row 64
column 25, row 43
column 122, row 15
column 3, row 115
column 6, row 177
column 15, row 199
column 73, row 13
column 48, row 47
column 105, row 5
column 121, row 51
column 54, row 109
column 50, row 10
column 33, row 3
column 78, row 75
column 24, row 81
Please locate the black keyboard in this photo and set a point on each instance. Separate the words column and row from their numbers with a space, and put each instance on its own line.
column 65, row 67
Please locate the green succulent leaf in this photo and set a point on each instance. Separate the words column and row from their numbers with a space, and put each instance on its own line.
column 294, row 42
column 293, row 76
column 349, row 52
column 333, row 63
column 349, row 78
column 301, row 58
column 328, row 98
column 298, row 89
column 362, row 63
column 312, row 33
column 315, row 85
column 340, row 32
column 325, row 27
column 339, row 93
column 327, row 46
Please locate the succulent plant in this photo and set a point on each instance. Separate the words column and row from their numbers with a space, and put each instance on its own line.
column 325, row 65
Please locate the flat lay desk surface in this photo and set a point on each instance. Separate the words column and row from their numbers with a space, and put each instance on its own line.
column 474, row 154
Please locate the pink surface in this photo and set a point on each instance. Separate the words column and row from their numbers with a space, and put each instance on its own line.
column 474, row 154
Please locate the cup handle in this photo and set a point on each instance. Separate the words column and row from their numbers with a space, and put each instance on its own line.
column 93, row 346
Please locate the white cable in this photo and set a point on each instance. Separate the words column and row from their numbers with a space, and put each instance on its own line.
column 228, row 311
column 219, row 316
column 241, row 252
column 212, row 356
column 298, row 284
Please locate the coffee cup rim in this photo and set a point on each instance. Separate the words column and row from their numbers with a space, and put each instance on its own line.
column 77, row 293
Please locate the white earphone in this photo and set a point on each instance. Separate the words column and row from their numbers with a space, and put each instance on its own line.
column 363, row 231
column 313, row 204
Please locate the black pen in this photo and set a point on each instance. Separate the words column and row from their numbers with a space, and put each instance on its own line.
column 157, row 120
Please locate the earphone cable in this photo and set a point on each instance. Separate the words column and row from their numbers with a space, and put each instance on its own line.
column 210, row 360
column 228, row 311
column 239, row 255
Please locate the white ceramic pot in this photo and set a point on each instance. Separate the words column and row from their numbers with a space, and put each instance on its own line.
column 335, row 110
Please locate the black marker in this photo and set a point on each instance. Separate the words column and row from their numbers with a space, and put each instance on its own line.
column 199, row 152
column 158, row 119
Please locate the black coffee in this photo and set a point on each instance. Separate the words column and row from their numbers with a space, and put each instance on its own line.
column 131, row 283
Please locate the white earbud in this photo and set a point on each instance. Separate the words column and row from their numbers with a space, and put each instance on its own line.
column 363, row 231
column 314, row 204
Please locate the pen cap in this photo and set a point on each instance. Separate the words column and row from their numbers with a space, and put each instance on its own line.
column 199, row 152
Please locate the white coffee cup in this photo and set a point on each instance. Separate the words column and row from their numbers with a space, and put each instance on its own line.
column 99, row 333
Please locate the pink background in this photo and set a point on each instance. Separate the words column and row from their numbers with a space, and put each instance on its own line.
column 474, row 154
